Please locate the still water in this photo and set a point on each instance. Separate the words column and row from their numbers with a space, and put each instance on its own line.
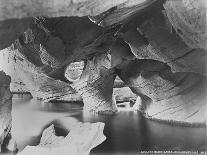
column 127, row 132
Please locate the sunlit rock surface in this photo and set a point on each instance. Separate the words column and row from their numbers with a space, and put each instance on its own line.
column 80, row 140
column 5, row 107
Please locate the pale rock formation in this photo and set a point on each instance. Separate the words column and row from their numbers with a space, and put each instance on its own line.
column 5, row 107
column 177, row 97
column 74, row 71
column 96, row 86
column 81, row 139
column 123, row 13
column 6, row 59
column 124, row 94
column 158, row 48
column 12, row 146
column 162, row 43
column 55, row 8
column 138, row 104
column 170, row 75
column 39, row 84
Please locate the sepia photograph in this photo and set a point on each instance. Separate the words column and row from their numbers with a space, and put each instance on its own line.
column 103, row 77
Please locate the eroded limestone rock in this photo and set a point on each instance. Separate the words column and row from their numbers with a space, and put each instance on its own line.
column 5, row 107
column 96, row 86
column 170, row 40
column 81, row 139
column 188, row 17
column 178, row 97
column 6, row 59
column 14, row 14
column 156, row 39
column 39, row 84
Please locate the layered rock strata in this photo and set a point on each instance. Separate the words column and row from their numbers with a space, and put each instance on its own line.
column 39, row 84
column 177, row 97
column 157, row 48
column 96, row 86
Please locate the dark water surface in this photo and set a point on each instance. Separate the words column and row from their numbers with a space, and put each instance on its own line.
column 127, row 132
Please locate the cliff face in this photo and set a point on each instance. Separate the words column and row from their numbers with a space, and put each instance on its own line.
column 5, row 107
column 158, row 48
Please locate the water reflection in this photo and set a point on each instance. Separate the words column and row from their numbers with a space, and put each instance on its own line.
column 126, row 132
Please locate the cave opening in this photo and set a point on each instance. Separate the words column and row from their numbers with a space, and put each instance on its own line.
column 103, row 77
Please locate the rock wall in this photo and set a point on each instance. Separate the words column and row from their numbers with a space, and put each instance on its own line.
column 6, row 64
column 5, row 107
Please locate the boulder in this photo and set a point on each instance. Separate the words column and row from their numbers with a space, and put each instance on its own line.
column 80, row 140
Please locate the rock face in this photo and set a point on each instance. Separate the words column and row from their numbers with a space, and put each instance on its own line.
column 5, row 107
column 11, row 30
column 158, row 48
column 81, row 139
column 18, row 12
column 189, row 20
column 96, row 86
column 168, row 96
column 39, row 84
column 54, row 8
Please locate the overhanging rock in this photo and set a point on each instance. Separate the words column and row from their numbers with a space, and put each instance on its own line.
column 171, row 97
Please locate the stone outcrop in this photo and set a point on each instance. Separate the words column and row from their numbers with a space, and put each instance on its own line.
column 80, row 140
column 165, row 95
column 6, row 59
column 5, row 108
column 96, row 85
